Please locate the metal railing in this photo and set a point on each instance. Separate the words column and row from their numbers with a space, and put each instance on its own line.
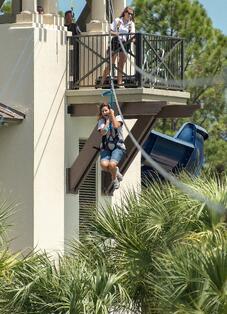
column 161, row 57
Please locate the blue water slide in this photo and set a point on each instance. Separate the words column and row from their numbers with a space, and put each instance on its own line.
column 182, row 151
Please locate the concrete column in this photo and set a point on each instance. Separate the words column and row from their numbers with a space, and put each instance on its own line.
column 118, row 7
column 98, row 10
column 98, row 21
column 29, row 12
column 49, row 6
column 29, row 6
column 50, row 16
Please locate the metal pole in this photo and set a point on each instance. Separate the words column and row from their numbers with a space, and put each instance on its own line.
column 139, row 57
column 225, row 88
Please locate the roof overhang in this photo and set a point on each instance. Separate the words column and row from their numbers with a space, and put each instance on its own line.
column 10, row 115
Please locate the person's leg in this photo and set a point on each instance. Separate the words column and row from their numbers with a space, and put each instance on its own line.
column 104, row 165
column 116, row 156
column 119, row 175
column 105, row 73
column 121, row 62
column 107, row 68
column 113, row 169
column 105, row 159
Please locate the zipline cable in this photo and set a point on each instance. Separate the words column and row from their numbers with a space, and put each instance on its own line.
column 48, row 137
column 219, row 208
column 50, row 109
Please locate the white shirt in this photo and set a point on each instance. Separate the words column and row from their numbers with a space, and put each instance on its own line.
column 101, row 125
column 122, row 27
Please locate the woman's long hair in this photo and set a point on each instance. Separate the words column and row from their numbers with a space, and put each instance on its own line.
column 125, row 10
column 105, row 104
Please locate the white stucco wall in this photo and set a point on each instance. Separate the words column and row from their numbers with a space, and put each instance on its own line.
column 32, row 170
column 49, row 137
column 16, row 142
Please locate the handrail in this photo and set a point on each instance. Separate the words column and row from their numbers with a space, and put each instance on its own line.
column 160, row 56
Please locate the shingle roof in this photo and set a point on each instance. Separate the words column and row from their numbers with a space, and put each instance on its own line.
column 8, row 114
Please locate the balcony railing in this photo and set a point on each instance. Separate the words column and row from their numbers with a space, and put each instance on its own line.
column 161, row 57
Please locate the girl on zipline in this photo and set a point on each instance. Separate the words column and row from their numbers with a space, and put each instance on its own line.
column 112, row 148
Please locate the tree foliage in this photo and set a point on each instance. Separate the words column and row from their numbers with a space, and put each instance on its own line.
column 205, row 60
column 7, row 7
column 156, row 252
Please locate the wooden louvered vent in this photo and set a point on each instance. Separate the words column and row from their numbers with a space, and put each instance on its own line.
column 87, row 198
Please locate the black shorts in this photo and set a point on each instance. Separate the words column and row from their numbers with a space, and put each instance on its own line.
column 116, row 46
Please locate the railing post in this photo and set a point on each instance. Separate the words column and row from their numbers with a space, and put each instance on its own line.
column 182, row 64
column 71, row 63
column 139, row 57
column 76, row 60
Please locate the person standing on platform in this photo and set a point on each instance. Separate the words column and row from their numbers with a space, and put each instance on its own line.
column 74, row 28
column 71, row 26
column 122, row 26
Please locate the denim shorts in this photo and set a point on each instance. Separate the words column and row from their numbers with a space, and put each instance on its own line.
column 115, row 155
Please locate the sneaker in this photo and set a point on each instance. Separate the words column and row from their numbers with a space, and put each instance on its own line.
column 119, row 175
column 116, row 184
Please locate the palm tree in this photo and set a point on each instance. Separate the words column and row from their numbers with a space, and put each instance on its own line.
column 36, row 285
column 154, row 234
column 6, row 210
column 7, row 260
column 157, row 252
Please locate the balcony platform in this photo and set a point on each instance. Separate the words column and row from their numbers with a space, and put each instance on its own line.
column 135, row 102
column 138, row 94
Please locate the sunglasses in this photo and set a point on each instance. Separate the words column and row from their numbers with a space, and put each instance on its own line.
column 129, row 13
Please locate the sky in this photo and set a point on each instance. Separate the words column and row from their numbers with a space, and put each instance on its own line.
column 216, row 10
